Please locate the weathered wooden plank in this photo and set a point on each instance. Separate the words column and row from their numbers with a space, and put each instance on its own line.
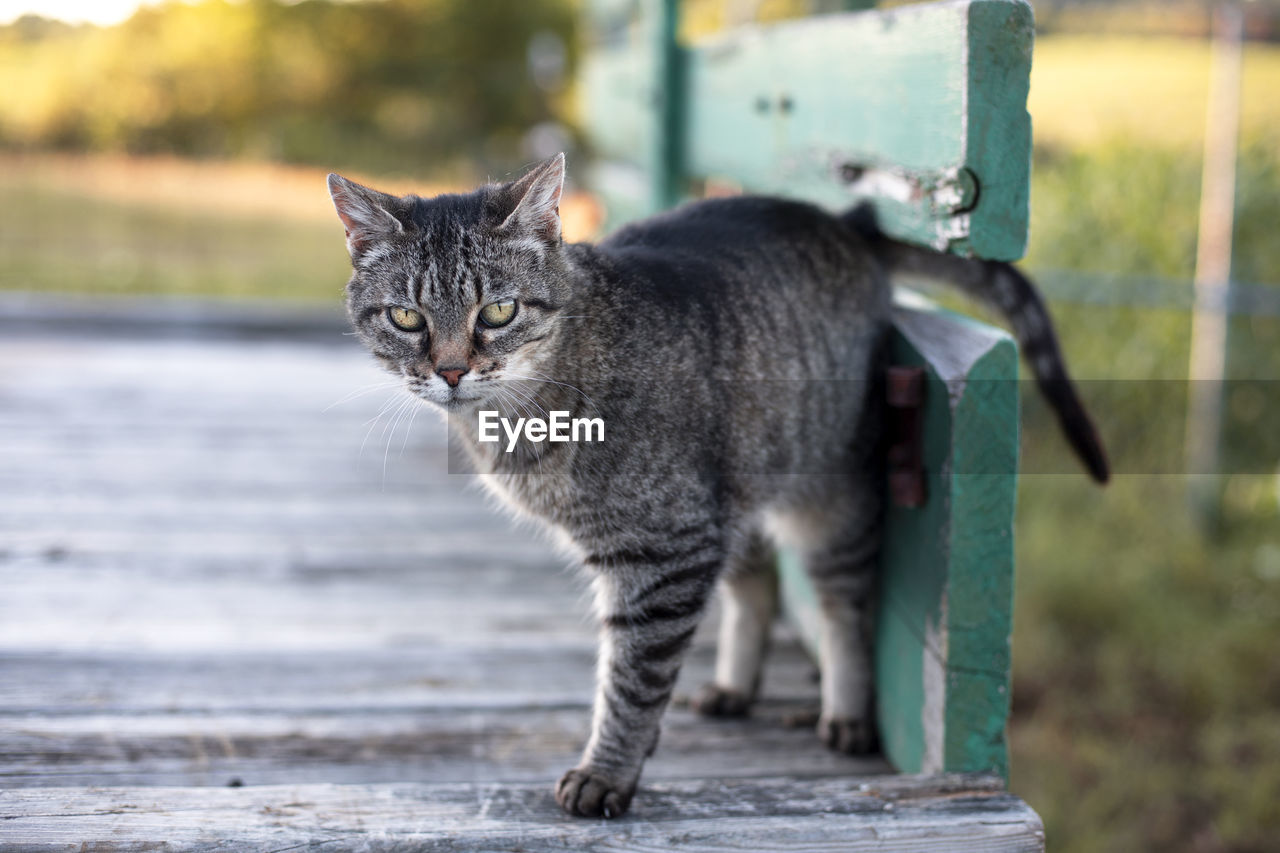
column 238, row 511
column 27, row 315
column 920, row 109
column 442, row 744
column 884, row 814
column 113, row 611
column 393, row 679
column 153, row 550
column 273, row 534
column 390, row 680
column 998, row 129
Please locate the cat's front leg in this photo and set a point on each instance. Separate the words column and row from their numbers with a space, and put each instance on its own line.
column 649, row 615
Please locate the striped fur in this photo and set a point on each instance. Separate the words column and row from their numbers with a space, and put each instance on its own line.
column 731, row 348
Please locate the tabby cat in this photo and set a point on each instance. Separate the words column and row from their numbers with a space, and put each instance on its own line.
column 729, row 347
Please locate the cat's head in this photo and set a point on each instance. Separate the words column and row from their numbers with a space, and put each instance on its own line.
column 458, row 292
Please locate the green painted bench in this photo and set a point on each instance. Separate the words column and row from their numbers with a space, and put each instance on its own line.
column 921, row 110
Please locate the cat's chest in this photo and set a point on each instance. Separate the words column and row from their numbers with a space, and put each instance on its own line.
column 550, row 498
column 542, row 487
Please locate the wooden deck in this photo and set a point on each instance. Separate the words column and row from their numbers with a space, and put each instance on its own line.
column 237, row 613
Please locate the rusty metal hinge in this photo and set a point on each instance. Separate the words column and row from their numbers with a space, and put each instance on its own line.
column 905, row 392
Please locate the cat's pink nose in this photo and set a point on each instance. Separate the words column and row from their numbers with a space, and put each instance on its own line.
column 452, row 375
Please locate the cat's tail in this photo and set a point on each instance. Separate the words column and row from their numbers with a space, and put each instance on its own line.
column 1002, row 286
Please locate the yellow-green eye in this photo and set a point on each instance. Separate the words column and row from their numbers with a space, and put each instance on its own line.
column 497, row 314
column 407, row 319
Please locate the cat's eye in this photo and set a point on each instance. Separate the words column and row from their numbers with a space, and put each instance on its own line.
column 497, row 314
column 406, row 319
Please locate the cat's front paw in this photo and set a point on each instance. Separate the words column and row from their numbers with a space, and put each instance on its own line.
column 586, row 792
column 854, row 736
column 711, row 700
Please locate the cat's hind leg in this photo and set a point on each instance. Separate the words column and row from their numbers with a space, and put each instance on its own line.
column 749, row 604
column 840, row 542
column 844, row 574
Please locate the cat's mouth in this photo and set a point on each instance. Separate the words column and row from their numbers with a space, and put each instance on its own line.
column 459, row 400
column 451, row 399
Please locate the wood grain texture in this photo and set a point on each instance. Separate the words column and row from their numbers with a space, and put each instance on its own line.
column 998, row 128
column 478, row 744
column 953, row 814
column 920, row 109
column 950, row 592
column 979, row 619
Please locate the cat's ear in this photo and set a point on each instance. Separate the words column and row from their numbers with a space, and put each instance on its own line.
column 365, row 213
column 536, row 199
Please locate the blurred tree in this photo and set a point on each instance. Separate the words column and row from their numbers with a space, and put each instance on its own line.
column 400, row 85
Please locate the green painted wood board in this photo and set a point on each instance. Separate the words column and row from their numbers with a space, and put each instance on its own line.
column 921, row 109
column 946, row 602
column 633, row 92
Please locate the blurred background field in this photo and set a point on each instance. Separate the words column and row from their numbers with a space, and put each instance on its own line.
column 184, row 150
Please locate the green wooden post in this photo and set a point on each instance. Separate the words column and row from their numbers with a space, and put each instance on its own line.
column 666, row 175
column 947, row 597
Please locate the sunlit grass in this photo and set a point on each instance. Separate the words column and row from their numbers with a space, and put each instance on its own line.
column 265, row 190
column 1146, row 691
column 110, row 227
column 1090, row 89
column 116, row 225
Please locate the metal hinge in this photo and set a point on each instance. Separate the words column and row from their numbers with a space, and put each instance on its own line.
column 905, row 392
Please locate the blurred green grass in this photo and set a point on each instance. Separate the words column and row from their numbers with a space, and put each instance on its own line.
column 1147, row 688
column 54, row 238
column 1088, row 89
column 107, row 225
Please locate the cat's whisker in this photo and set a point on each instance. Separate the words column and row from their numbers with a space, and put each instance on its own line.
column 501, row 400
column 498, row 399
column 529, row 398
column 507, row 396
column 511, row 392
column 389, row 413
column 373, row 422
column 360, row 392
column 517, row 403
column 384, row 383
column 553, row 382
column 532, row 399
column 391, row 434
column 386, row 406
column 409, row 429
